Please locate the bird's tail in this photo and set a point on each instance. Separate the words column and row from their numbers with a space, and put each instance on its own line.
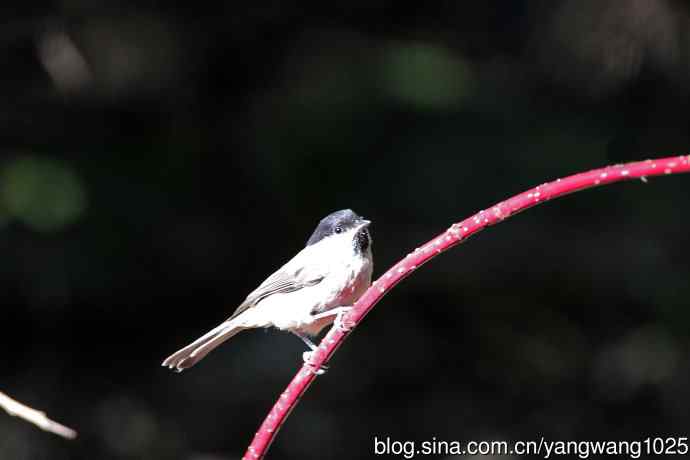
column 195, row 351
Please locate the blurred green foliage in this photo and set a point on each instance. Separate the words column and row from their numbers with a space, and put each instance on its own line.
column 425, row 76
column 43, row 193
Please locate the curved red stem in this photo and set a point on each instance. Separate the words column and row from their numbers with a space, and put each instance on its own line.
column 455, row 234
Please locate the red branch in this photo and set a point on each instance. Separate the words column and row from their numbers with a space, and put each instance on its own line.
column 456, row 234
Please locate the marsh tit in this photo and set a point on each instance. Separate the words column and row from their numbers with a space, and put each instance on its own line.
column 306, row 294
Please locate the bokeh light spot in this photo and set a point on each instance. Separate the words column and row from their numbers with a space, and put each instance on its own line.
column 428, row 77
column 44, row 194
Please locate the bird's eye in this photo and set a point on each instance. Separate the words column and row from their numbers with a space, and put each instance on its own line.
column 338, row 230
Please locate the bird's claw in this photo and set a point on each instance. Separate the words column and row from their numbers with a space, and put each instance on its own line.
column 306, row 356
column 340, row 323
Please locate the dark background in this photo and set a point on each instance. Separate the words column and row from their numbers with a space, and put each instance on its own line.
column 160, row 159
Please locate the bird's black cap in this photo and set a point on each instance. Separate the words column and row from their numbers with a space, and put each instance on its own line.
column 336, row 222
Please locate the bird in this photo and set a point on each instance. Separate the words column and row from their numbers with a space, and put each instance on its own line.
column 311, row 291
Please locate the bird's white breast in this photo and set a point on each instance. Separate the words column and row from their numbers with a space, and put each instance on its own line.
column 346, row 275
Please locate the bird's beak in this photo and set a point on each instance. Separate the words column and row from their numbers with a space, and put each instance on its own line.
column 364, row 223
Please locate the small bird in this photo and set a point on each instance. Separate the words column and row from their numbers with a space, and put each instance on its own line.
column 311, row 291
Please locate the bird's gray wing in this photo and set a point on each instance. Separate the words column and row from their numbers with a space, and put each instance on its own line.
column 282, row 281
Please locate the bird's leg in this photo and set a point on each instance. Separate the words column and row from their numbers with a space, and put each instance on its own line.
column 306, row 356
column 306, row 340
column 338, row 312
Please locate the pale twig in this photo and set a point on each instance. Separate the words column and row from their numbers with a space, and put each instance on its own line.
column 38, row 418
